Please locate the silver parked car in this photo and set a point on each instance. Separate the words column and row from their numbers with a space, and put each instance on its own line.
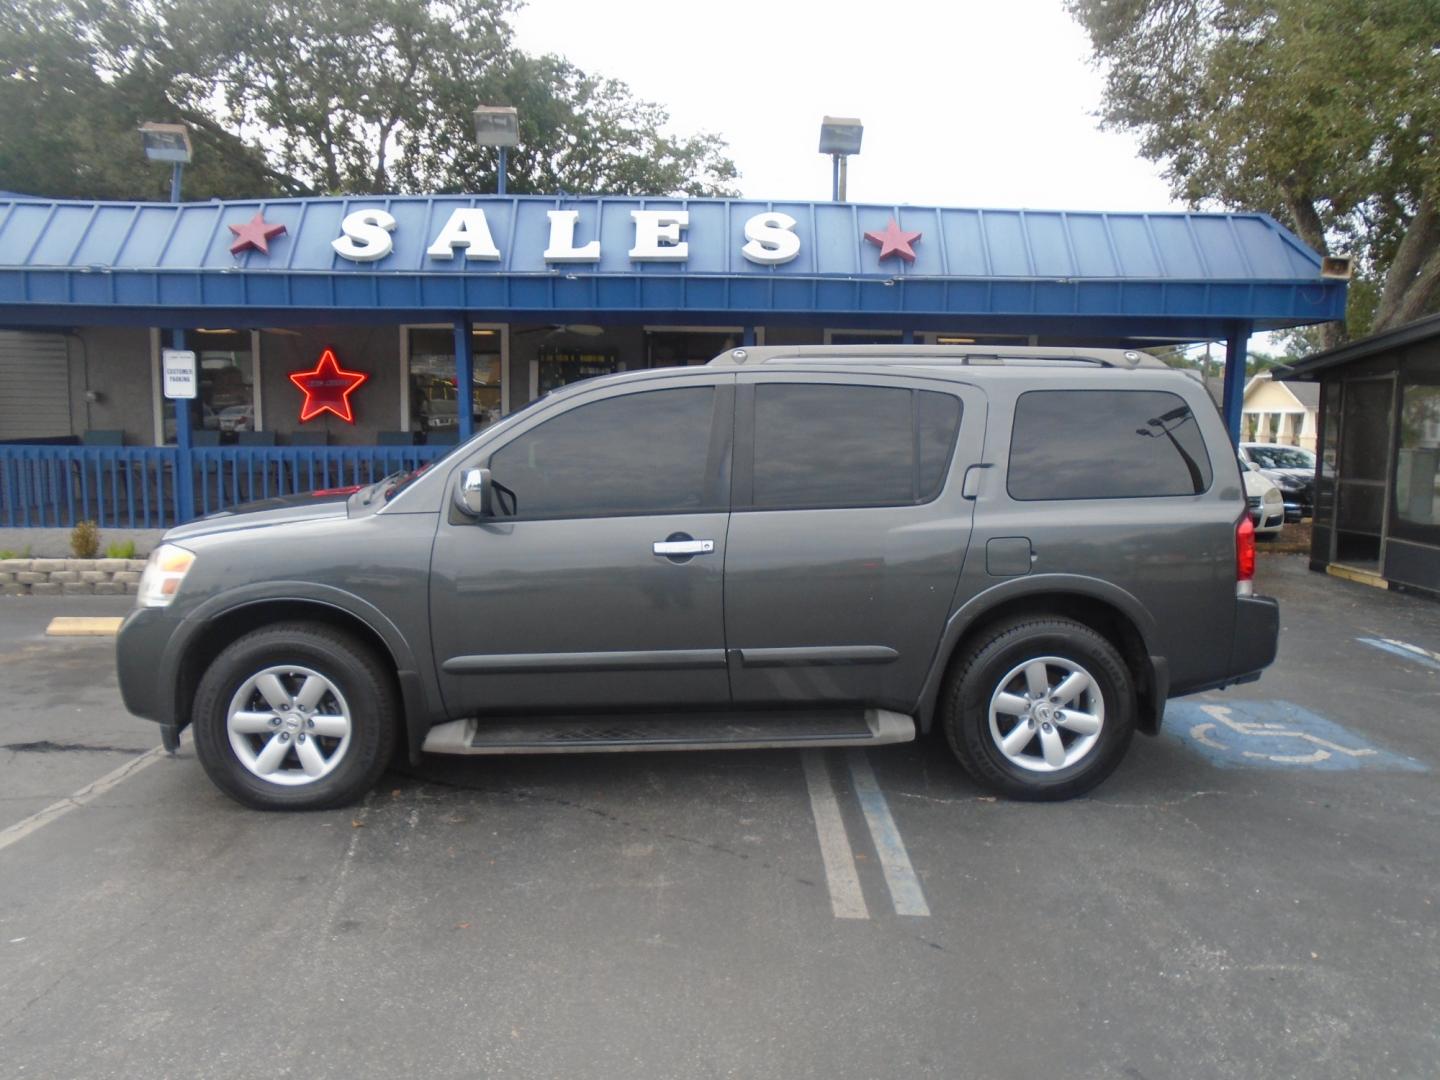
column 1027, row 551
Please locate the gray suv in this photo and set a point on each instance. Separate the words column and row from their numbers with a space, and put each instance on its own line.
column 1029, row 550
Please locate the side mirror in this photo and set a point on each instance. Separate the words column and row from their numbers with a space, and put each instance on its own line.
column 472, row 494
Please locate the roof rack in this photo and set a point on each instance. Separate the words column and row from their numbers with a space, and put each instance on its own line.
column 931, row 355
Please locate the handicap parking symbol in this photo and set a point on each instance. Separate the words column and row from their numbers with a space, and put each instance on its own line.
column 1277, row 735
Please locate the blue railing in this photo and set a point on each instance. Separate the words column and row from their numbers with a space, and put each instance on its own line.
column 137, row 487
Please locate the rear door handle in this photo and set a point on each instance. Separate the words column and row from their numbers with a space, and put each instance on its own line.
column 684, row 547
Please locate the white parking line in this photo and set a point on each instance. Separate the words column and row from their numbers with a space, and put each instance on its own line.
column 846, row 899
column 56, row 810
column 905, row 891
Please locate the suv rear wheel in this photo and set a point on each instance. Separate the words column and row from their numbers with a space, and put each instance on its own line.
column 295, row 717
column 1040, row 709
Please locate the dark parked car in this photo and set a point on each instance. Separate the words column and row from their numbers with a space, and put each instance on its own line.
column 1028, row 550
column 1291, row 469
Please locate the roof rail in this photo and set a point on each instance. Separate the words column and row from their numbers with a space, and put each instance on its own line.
column 931, row 355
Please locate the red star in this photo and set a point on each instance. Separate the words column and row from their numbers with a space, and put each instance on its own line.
column 254, row 234
column 328, row 388
column 894, row 241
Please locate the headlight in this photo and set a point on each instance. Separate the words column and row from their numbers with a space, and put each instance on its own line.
column 163, row 574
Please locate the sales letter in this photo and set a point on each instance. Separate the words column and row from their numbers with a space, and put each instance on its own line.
column 657, row 235
column 772, row 239
column 365, row 236
column 562, row 239
column 468, row 229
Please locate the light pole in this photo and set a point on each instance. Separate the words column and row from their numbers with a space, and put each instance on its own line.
column 498, row 126
column 840, row 137
column 171, row 142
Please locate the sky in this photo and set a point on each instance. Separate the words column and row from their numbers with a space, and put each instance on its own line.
column 978, row 103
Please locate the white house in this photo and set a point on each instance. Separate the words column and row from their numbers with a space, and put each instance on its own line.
column 1280, row 412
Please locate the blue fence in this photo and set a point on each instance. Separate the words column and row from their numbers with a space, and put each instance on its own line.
column 139, row 487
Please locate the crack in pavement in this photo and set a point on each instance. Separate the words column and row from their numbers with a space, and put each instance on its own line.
column 45, row 746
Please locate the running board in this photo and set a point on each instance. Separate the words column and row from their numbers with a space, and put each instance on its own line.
column 670, row 731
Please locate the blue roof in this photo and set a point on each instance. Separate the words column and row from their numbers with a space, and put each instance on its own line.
column 1096, row 274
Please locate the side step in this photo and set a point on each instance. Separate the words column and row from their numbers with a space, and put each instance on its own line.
column 669, row 731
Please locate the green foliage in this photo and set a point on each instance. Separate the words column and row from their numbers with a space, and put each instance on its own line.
column 1321, row 112
column 330, row 96
column 85, row 540
column 8, row 554
column 123, row 549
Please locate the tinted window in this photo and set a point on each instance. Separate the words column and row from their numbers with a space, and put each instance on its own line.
column 818, row 446
column 939, row 420
column 638, row 454
column 1105, row 444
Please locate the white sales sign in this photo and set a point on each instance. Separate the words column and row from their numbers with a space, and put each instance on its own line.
column 179, row 367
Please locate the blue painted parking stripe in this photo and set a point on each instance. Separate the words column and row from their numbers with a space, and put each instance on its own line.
column 1404, row 649
column 905, row 890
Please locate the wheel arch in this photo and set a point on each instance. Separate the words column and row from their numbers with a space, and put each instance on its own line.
column 221, row 620
column 1105, row 608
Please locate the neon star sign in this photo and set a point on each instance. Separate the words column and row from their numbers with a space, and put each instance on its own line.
column 327, row 388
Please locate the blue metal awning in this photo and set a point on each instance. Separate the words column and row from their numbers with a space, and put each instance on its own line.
column 1092, row 275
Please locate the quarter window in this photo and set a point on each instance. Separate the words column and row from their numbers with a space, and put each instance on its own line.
column 830, row 446
column 647, row 453
column 1105, row 444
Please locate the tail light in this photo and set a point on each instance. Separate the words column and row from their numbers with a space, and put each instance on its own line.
column 1245, row 557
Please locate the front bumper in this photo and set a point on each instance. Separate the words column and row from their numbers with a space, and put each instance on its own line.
column 142, row 664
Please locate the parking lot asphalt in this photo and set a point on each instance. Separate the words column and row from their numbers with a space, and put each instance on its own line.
column 1254, row 893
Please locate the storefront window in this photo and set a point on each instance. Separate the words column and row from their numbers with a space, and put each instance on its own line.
column 560, row 365
column 434, row 397
column 1417, row 473
column 679, row 348
column 225, row 405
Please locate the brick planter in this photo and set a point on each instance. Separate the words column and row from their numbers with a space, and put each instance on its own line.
column 71, row 577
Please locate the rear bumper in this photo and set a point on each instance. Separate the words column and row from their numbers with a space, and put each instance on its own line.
column 1252, row 647
column 1257, row 635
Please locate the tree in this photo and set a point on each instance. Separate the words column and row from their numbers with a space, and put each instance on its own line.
column 1321, row 112
column 318, row 96
column 73, row 90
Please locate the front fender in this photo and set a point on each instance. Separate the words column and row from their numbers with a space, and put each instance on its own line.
column 418, row 686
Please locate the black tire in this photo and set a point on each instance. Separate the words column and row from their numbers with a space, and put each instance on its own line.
column 978, row 675
column 365, row 682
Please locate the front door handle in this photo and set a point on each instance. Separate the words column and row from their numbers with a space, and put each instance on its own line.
column 672, row 548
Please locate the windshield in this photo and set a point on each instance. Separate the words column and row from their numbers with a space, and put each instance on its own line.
column 1280, row 457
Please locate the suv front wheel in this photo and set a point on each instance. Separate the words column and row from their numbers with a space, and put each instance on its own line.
column 296, row 716
column 1040, row 709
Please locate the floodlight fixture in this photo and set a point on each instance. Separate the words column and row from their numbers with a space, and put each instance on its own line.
column 166, row 142
column 497, row 125
column 840, row 135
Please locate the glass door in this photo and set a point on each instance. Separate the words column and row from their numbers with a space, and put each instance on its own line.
column 1362, row 473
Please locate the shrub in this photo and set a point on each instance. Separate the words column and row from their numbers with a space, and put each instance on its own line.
column 124, row 549
column 85, row 540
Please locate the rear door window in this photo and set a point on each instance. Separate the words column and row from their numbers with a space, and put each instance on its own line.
column 827, row 446
column 1105, row 444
